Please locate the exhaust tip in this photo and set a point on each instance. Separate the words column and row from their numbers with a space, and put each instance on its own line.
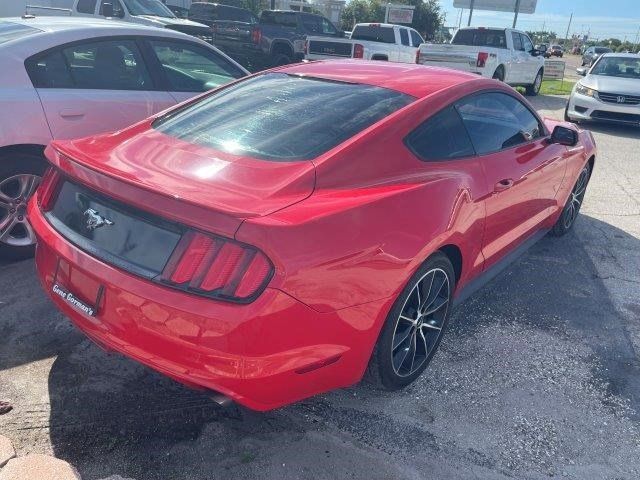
column 221, row 400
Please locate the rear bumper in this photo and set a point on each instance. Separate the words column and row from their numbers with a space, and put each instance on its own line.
column 263, row 355
column 583, row 108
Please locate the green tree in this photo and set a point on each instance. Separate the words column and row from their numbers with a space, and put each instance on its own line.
column 427, row 15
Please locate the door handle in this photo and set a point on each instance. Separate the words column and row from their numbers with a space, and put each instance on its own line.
column 71, row 113
column 503, row 185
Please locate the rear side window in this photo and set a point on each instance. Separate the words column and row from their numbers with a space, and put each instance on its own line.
column 517, row 41
column 106, row 65
column 192, row 68
column 315, row 24
column 496, row 121
column 481, row 38
column 86, row 6
column 280, row 117
column 374, row 33
column 11, row 31
column 284, row 19
column 416, row 39
column 203, row 10
column 404, row 36
column 441, row 137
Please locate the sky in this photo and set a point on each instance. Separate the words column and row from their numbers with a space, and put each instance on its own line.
column 603, row 18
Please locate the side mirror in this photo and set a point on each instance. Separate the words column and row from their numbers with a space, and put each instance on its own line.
column 581, row 71
column 536, row 53
column 107, row 9
column 341, row 34
column 564, row 136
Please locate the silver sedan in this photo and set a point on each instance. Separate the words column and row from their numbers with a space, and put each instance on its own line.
column 609, row 92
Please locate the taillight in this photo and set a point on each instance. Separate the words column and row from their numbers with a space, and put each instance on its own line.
column 217, row 267
column 358, row 51
column 482, row 59
column 256, row 35
column 48, row 188
column 418, row 56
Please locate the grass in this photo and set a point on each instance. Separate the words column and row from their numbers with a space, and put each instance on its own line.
column 556, row 87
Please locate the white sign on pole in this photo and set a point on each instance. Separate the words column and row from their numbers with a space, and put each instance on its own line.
column 526, row 6
column 399, row 13
column 554, row 69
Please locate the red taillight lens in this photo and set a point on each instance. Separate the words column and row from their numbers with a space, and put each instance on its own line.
column 217, row 267
column 482, row 59
column 256, row 35
column 48, row 189
column 358, row 51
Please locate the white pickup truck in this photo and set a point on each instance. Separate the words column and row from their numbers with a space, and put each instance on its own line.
column 501, row 53
column 369, row 41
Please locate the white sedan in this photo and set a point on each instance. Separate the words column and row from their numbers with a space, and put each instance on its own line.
column 609, row 92
column 69, row 77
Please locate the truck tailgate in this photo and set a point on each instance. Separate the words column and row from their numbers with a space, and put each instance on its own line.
column 323, row 47
column 459, row 57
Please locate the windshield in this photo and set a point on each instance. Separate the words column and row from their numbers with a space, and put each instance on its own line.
column 148, row 7
column 602, row 50
column 617, row 67
column 480, row 38
column 282, row 117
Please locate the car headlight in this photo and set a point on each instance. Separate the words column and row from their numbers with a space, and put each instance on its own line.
column 583, row 90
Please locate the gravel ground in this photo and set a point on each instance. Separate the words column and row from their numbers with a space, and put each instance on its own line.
column 538, row 377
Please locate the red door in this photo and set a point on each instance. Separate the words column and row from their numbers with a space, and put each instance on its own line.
column 520, row 169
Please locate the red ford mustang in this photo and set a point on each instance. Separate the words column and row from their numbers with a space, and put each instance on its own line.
column 287, row 233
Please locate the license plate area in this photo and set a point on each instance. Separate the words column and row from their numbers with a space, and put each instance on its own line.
column 76, row 288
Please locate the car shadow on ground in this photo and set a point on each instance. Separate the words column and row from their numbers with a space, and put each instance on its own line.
column 536, row 377
column 626, row 131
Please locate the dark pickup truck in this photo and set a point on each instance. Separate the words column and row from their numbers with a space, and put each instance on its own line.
column 276, row 38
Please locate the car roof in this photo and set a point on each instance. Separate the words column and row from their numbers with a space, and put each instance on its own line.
column 409, row 78
column 52, row 24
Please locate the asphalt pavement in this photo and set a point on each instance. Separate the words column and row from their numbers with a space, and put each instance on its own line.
column 538, row 377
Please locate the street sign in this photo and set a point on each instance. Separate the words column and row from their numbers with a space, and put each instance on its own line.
column 399, row 13
column 554, row 69
column 526, row 6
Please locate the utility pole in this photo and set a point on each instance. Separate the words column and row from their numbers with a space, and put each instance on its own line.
column 460, row 19
column 636, row 41
column 515, row 16
column 568, row 27
column 470, row 12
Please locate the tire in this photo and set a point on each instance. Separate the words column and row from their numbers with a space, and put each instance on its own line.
column 499, row 73
column 572, row 208
column 567, row 118
column 582, row 64
column 20, row 174
column 533, row 89
column 411, row 332
column 280, row 59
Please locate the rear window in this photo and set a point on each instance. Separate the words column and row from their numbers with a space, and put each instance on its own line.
column 281, row 117
column 481, row 38
column 11, row 31
column 374, row 33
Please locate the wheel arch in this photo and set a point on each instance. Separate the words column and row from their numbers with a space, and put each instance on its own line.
column 283, row 47
column 31, row 148
column 454, row 254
